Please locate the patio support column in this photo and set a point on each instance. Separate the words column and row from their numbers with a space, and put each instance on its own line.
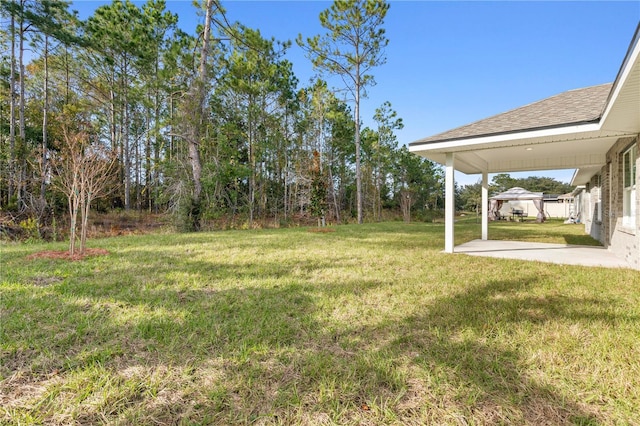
column 485, row 205
column 449, row 203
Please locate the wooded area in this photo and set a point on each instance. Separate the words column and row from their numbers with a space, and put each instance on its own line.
column 210, row 126
column 206, row 125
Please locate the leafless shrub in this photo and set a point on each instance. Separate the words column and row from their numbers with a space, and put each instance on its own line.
column 83, row 172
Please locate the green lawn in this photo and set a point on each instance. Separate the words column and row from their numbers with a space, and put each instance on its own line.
column 366, row 325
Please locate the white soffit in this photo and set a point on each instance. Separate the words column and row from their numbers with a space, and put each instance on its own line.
column 584, row 174
column 560, row 148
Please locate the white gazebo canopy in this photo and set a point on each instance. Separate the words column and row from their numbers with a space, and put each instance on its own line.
column 516, row 194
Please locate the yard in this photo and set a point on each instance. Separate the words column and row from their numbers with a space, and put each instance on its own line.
column 365, row 325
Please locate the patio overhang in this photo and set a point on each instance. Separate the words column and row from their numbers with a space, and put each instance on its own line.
column 566, row 147
column 572, row 130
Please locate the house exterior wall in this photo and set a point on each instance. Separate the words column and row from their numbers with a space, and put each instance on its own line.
column 592, row 214
column 578, row 203
column 622, row 240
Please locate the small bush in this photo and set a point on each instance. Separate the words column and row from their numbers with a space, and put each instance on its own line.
column 30, row 228
column 189, row 215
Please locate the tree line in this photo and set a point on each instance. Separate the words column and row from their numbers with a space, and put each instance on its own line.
column 204, row 126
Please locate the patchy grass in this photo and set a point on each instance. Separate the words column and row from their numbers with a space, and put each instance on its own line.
column 368, row 324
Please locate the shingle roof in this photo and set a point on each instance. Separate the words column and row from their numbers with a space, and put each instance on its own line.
column 577, row 106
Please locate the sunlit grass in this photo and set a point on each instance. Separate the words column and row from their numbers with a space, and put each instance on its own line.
column 368, row 324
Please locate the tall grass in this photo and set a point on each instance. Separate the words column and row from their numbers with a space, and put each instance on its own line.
column 368, row 324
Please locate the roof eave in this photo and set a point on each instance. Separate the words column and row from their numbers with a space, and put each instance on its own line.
column 512, row 138
column 515, row 133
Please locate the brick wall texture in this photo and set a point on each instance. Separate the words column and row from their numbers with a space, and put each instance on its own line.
column 621, row 240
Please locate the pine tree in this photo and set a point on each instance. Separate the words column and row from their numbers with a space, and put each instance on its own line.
column 353, row 45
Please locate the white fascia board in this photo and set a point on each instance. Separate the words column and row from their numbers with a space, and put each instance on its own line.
column 581, row 131
column 631, row 61
column 574, row 177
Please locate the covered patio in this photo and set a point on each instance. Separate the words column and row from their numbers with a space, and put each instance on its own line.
column 561, row 132
column 563, row 254
column 577, row 129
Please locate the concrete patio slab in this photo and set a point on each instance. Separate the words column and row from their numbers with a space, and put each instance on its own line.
column 543, row 252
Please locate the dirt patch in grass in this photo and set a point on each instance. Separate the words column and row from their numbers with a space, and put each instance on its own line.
column 65, row 255
column 44, row 281
column 322, row 230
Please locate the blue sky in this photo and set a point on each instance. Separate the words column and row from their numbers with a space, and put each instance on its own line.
column 450, row 63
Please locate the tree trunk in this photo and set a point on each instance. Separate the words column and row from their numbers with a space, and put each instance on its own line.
column 196, row 165
column 125, row 142
column 286, row 192
column 377, row 203
column 74, row 203
column 67, row 75
column 73, row 214
column 12, row 114
column 156, row 155
column 138, row 180
column 116, row 144
column 45, row 112
column 406, row 201
column 22, row 131
column 157, row 146
column 171, row 128
column 252, row 164
column 198, row 94
column 84, row 221
column 87, row 197
column 147, row 166
column 336, row 207
column 358, row 170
